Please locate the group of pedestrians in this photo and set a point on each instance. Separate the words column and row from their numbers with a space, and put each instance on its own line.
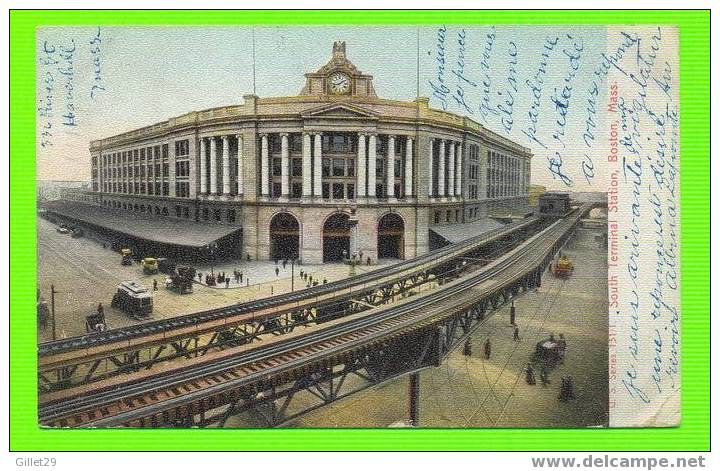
column 214, row 279
column 310, row 280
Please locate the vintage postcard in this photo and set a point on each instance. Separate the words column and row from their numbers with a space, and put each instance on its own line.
column 442, row 226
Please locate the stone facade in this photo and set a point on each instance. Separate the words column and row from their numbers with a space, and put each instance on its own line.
column 335, row 148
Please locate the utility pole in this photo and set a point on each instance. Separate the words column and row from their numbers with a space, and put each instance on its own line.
column 52, row 310
column 414, row 399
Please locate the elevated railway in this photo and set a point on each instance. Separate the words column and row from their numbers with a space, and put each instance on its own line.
column 371, row 347
column 84, row 359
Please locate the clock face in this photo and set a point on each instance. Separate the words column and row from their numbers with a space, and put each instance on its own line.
column 339, row 83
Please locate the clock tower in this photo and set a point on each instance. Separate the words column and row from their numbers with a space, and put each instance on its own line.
column 338, row 77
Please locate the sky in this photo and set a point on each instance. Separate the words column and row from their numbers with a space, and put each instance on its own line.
column 116, row 79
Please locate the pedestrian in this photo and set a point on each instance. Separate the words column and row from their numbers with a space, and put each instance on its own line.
column 100, row 309
column 544, row 376
column 227, row 282
column 562, row 344
column 277, row 271
column 301, row 273
column 467, row 348
column 324, row 281
column 516, row 334
column 284, row 264
column 241, row 277
column 566, row 389
column 368, row 261
column 200, row 277
column 247, row 257
column 154, row 285
column 247, row 281
column 529, row 375
column 512, row 313
column 487, row 349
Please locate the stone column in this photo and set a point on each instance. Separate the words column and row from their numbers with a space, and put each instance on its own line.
column 203, row 167
column 408, row 167
column 284, row 165
column 213, row 166
column 226, row 165
column 192, row 157
column 172, row 177
column 458, row 169
column 360, row 166
column 307, row 165
column 390, row 165
column 441, row 169
column 240, row 163
column 430, row 168
column 451, row 169
column 317, row 170
column 264, row 166
column 372, row 164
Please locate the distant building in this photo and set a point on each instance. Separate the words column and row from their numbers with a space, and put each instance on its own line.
column 534, row 194
column 332, row 171
column 48, row 190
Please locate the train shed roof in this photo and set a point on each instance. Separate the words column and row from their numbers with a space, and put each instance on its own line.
column 163, row 230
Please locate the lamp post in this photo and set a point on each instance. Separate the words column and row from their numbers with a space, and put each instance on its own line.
column 292, row 274
column 212, row 248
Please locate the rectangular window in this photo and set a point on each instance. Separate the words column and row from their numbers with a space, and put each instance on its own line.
column 276, row 167
column 276, row 189
column 398, row 168
column 326, row 191
column 217, row 214
column 338, row 191
column 275, row 143
column 338, row 167
column 178, row 211
column 437, row 217
column 296, row 191
column 231, row 215
column 296, row 168
column 205, row 214
column 186, row 212
column 350, row 191
column 182, row 147
column 350, row 167
column 325, row 167
column 296, row 143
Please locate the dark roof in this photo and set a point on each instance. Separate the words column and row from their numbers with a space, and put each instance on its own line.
column 158, row 229
column 454, row 233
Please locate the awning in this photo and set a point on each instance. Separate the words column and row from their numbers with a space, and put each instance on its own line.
column 161, row 229
column 454, row 233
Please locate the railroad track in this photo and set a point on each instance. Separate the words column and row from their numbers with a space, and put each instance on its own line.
column 161, row 398
column 97, row 352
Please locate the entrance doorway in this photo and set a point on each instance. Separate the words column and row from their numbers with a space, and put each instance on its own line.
column 284, row 237
column 391, row 237
column 336, row 237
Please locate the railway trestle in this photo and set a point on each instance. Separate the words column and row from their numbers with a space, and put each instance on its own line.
column 199, row 342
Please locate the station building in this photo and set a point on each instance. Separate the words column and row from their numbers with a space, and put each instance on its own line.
column 333, row 171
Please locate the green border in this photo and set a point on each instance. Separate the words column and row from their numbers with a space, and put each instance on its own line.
column 693, row 434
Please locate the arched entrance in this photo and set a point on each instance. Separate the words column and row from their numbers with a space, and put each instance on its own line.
column 391, row 237
column 336, row 237
column 284, row 237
